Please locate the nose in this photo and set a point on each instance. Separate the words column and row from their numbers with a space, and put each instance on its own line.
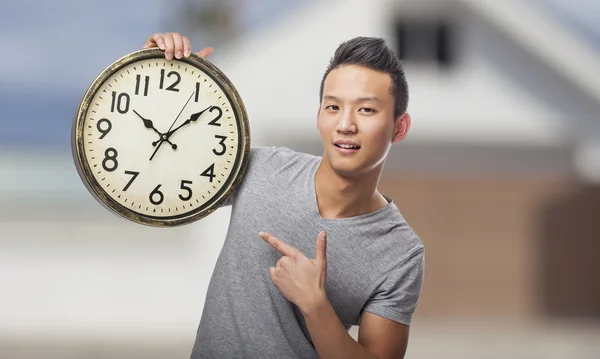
column 346, row 122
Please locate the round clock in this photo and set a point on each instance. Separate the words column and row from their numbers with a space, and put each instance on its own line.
column 161, row 142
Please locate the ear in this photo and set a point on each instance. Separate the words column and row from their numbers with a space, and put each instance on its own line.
column 401, row 127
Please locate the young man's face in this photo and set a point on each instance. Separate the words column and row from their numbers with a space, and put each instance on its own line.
column 356, row 119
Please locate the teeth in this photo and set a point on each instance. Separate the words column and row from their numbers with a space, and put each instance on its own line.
column 347, row 146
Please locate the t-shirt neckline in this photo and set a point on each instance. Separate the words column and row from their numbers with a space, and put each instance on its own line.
column 315, row 205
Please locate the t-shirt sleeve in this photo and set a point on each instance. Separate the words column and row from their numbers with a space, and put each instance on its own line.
column 397, row 297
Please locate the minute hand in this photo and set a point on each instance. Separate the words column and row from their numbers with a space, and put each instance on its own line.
column 192, row 118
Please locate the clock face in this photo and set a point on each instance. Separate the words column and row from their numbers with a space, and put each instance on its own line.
column 162, row 141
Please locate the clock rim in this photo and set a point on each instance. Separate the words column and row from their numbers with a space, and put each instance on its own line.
column 85, row 173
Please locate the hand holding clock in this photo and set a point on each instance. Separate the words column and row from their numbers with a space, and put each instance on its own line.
column 174, row 45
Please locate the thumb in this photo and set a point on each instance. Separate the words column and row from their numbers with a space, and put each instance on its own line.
column 322, row 248
column 205, row 52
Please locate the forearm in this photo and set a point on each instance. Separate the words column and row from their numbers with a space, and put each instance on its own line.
column 329, row 336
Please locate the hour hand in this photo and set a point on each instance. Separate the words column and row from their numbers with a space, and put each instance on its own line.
column 148, row 124
column 197, row 115
column 192, row 118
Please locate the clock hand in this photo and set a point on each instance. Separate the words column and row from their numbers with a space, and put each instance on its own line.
column 192, row 118
column 164, row 137
column 148, row 124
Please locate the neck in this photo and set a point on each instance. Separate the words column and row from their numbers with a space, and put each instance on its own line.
column 340, row 196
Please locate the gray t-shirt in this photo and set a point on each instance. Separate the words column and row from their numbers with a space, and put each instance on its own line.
column 375, row 263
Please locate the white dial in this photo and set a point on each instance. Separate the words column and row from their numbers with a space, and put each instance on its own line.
column 162, row 138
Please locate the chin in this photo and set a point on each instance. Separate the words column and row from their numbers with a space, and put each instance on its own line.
column 348, row 168
column 353, row 167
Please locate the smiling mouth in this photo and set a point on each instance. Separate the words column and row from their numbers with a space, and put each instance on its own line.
column 348, row 147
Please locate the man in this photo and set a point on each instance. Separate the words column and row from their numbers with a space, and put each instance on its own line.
column 287, row 296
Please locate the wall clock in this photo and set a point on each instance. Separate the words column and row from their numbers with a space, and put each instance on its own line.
column 161, row 142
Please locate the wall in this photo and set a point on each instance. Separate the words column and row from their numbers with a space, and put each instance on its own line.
column 504, row 247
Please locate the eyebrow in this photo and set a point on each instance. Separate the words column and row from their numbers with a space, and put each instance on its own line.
column 360, row 99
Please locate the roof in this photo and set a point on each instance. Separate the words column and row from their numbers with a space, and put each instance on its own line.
column 278, row 69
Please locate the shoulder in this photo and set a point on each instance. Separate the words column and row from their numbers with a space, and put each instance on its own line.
column 393, row 244
column 395, row 235
column 398, row 255
column 275, row 153
column 271, row 167
column 274, row 159
column 406, row 237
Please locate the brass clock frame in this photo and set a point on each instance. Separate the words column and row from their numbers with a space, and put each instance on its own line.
column 97, row 191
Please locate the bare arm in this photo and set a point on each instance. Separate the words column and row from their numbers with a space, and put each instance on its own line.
column 378, row 337
column 383, row 337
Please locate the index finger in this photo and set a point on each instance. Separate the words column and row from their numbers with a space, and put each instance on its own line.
column 278, row 244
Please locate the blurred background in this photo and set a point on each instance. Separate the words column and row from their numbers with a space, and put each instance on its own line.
column 500, row 173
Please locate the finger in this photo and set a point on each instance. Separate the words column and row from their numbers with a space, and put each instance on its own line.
column 169, row 46
column 278, row 244
column 178, row 42
column 149, row 43
column 272, row 273
column 153, row 41
column 284, row 261
column 205, row 52
column 187, row 46
column 322, row 248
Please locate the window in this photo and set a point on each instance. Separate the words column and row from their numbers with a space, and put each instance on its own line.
column 425, row 41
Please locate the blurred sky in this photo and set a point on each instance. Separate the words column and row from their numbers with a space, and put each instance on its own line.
column 53, row 53
column 581, row 15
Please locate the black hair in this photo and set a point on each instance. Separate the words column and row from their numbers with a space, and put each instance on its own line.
column 372, row 53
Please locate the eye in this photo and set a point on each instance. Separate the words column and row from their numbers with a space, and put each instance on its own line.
column 367, row 110
column 332, row 107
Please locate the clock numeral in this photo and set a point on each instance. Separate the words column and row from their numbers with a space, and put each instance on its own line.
column 131, row 173
column 222, row 144
column 121, row 105
column 197, row 97
column 173, row 86
column 155, row 193
column 104, row 131
column 110, row 159
column 215, row 121
column 138, row 79
column 187, row 189
column 209, row 172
